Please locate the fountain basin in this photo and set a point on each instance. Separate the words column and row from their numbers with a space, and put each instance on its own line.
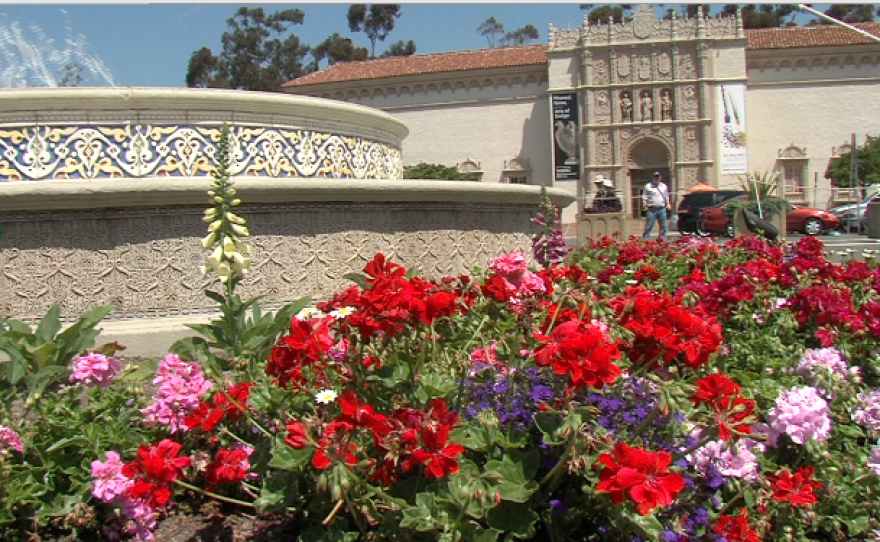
column 135, row 242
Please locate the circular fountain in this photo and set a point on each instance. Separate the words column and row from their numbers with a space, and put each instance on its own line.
column 102, row 191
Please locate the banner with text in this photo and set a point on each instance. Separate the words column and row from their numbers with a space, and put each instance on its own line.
column 732, row 125
column 567, row 160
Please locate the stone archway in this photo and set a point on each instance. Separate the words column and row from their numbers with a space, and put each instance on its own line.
column 643, row 158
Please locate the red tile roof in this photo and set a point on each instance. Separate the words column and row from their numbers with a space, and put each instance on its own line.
column 530, row 55
column 810, row 36
column 501, row 57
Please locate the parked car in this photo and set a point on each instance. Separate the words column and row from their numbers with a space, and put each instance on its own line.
column 806, row 220
column 854, row 216
column 691, row 205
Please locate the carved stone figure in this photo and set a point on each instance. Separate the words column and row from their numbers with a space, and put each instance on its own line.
column 626, row 107
column 666, row 105
column 644, row 68
column 647, row 106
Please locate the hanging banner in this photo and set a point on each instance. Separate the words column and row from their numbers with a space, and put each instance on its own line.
column 567, row 160
column 732, row 126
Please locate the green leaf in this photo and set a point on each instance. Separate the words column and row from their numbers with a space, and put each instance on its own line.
column 268, row 499
column 647, row 526
column 49, row 325
column 436, row 385
column 285, row 457
column 17, row 367
column 549, row 424
column 357, row 278
column 79, row 440
column 858, row 525
column 516, row 519
column 214, row 296
column 43, row 354
column 205, row 330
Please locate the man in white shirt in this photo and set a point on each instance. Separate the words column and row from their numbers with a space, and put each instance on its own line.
column 656, row 197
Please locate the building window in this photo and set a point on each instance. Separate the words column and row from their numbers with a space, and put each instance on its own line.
column 472, row 168
column 792, row 165
column 517, row 171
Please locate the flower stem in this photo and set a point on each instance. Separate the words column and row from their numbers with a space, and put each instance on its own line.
column 212, row 495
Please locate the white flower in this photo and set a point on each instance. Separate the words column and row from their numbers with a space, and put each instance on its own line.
column 241, row 230
column 216, row 257
column 308, row 312
column 631, row 281
column 209, row 241
column 342, row 312
column 325, row 396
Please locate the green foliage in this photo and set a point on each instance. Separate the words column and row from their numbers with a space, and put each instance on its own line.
column 437, row 171
column 257, row 53
column 619, row 13
column 849, row 13
column 374, row 20
column 520, row 36
column 400, row 48
column 764, row 15
column 337, row 49
column 42, row 353
column 490, row 29
column 840, row 168
column 761, row 200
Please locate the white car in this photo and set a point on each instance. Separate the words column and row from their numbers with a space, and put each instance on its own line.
column 853, row 216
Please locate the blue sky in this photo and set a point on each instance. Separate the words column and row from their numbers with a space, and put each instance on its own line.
column 150, row 44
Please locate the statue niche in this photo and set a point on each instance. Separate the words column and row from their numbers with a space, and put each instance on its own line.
column 626, row 107
column 666, row 104
column 647, row 106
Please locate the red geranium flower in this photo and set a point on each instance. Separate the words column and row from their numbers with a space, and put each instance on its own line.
column 713, row 388
column 736, row 529
column 297, row 435
column 796, row 489
column 640, row 475
column 207, row 417
column 438, row 455
column 154, row 470
column 229, row 467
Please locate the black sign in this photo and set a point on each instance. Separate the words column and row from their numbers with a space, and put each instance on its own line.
column 567, row 154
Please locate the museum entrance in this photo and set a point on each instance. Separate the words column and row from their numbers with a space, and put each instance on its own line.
column 646, row 157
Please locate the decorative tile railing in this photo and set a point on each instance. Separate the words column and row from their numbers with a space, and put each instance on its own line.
column 144, row 150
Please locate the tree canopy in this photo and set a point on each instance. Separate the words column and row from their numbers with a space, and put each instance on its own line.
column 602, row 13
column 257, row 54
column 335, row 49
column 437, row 171
column 490, row 28
column 374, row 20
column 849, row 13
column 400, row 48
column 840, row 168
column 764, row 15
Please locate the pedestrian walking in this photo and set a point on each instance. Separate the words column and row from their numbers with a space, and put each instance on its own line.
column 656, row 197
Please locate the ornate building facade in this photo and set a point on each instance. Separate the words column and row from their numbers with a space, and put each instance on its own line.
column 700, row 99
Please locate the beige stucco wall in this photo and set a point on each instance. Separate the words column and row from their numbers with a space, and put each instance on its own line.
column 490, row 117
column 814, row 101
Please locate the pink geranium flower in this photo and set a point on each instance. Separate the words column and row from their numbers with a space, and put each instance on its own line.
column 9, row 440
column 95, row 369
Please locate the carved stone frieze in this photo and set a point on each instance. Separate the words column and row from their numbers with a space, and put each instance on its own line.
column 604, row 151
column 644, row 68
column 562, row 38
column 602, row 107
column 690, row 176
column 146, row 261
column 624, row 69
column 664, row 66
column 687, row 66
column 599, row 71
column 689, row 102
column 691, row 148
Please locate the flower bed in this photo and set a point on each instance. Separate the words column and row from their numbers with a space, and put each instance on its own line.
column 634, row 391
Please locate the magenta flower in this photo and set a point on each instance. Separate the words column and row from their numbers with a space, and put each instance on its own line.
column 874, row 460
column 867, row 413
column 109, row 484
column 801, row 414
column 95, row 369
column 823, row 359
column 729, row 460
column 9, row 439
column 180, row 386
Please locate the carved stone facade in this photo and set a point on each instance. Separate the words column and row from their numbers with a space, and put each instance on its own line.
column 146, row 261
column 647, row 87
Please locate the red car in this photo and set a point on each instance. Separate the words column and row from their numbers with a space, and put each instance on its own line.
column 806, row 220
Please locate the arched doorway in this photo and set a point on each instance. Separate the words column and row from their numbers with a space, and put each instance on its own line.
column 645, row 157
